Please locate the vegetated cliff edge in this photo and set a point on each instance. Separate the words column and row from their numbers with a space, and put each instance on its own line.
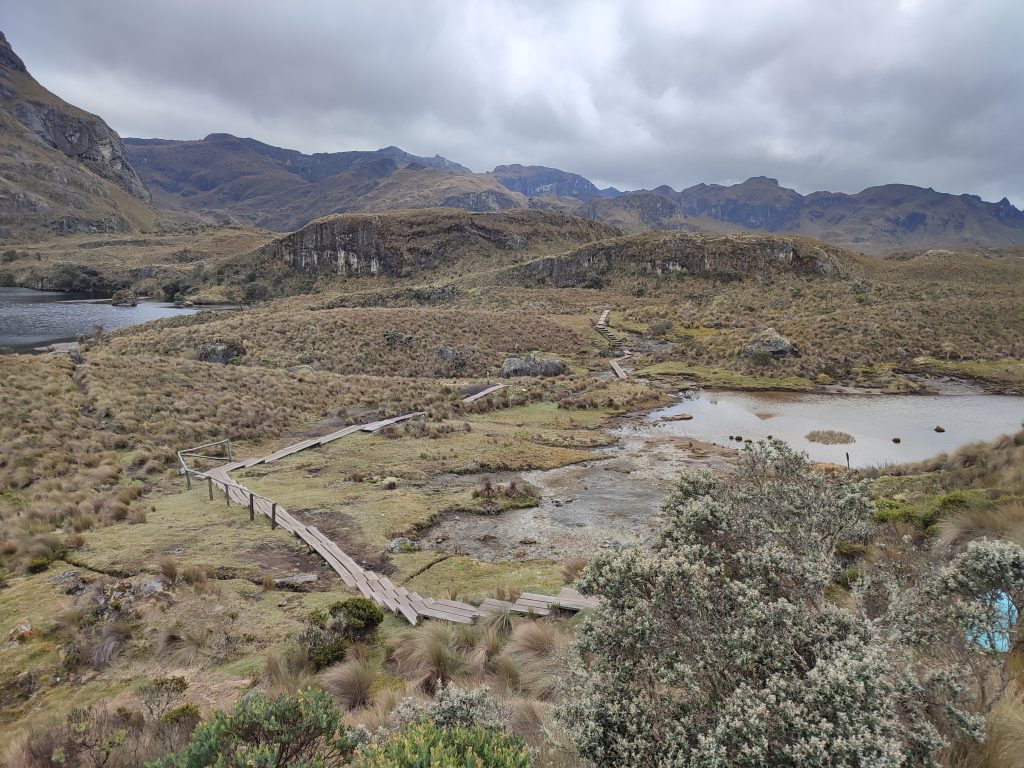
column 401, row 243
column 699, row 254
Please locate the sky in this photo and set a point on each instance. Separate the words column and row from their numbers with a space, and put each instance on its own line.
column 831, row 95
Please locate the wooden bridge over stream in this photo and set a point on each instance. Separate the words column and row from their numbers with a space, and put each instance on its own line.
column 377, row 587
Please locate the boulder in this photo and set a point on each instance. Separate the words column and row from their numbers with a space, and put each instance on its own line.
column 300, row 581
column 770, row 343
column 124, row 298
column 531, row 365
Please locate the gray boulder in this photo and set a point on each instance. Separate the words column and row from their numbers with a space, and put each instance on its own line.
column 770, row 343
column 532, row 365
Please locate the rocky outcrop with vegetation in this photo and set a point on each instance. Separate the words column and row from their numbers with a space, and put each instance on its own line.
column 722, row 256
column 403, row 243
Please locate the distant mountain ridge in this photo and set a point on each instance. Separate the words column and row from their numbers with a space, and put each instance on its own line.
column 887, row 217
column 283, row 189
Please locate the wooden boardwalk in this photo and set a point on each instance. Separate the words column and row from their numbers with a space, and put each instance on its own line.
column 375, row 586
column 615, row 343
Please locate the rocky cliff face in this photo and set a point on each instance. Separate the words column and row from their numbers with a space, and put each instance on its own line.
column 723, row 256
column 61, row 126
column 532, row 180
column 407, row 242
column 61, row 168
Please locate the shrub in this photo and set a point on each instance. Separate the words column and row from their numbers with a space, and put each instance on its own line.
column 427, row 744
column 302, row 730
column 38, row 564
column 323, row 647
column 737, row 658
column 360, row 615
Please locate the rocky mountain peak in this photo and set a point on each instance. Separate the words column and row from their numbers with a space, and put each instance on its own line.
column 8, row 58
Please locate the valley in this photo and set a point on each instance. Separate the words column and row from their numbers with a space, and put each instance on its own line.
column 377, row 435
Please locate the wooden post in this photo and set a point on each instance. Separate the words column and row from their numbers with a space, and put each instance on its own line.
column 227, row 494
column 209, row 484
column 273, row 515
column 252, row 508
column 188, row 479
column 229, row 452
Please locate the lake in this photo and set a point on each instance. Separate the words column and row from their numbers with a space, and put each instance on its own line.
column 30, row 319
column 873, row 421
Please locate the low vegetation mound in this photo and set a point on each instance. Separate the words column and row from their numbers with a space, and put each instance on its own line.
column 830, row 437
column 382, row 342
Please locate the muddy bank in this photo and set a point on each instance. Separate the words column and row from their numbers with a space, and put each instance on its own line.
column 611, row 501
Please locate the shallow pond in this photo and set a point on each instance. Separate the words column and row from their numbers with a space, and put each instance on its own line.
column 30, row 319
column 872, row 420
column 614, row 499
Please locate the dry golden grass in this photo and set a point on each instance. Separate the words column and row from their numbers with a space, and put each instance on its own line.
column 384, row 342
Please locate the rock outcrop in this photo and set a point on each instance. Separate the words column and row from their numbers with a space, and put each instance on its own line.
column 124, row 298
column 404, row 243
column 531, row 365
column 770, row 343
column 721, row 256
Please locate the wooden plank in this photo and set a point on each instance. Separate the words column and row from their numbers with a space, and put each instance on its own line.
column 572, row 594
column 401, row 598
column 373, row 426
column 490, row 605
column 437, row 612
column 338, row 568
column 618, row 370
column 324, row 542
column 478, row 395
column 340, row 433
column 530, row 609
column 379, row 593
column 456, row 606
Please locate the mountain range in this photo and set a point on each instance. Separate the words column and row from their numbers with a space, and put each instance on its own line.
column 64, row 170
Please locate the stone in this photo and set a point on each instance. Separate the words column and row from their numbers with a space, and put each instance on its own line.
column 124, row 298
column 70, row 582
column 679, row 417
column 402, row 544
column 151, row 587
column 531, row 365
column 297, row 581
column 770, row 343
column 21, row 633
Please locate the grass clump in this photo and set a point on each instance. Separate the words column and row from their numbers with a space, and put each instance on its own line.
column 830, row 437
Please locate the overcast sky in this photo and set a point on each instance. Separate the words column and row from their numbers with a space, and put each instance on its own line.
column 821, row 94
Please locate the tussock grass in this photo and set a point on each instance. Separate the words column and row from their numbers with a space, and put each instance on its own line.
column 829, row 437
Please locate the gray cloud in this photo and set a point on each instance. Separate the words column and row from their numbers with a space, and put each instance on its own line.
column 838, row 95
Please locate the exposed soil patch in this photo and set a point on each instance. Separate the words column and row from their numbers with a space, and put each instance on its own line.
column 279, row 562
column 344, row 531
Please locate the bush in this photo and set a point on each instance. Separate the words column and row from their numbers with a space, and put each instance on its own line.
column 361, row 616
column 427, row 744
column 302, row 730
column 323, row 647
